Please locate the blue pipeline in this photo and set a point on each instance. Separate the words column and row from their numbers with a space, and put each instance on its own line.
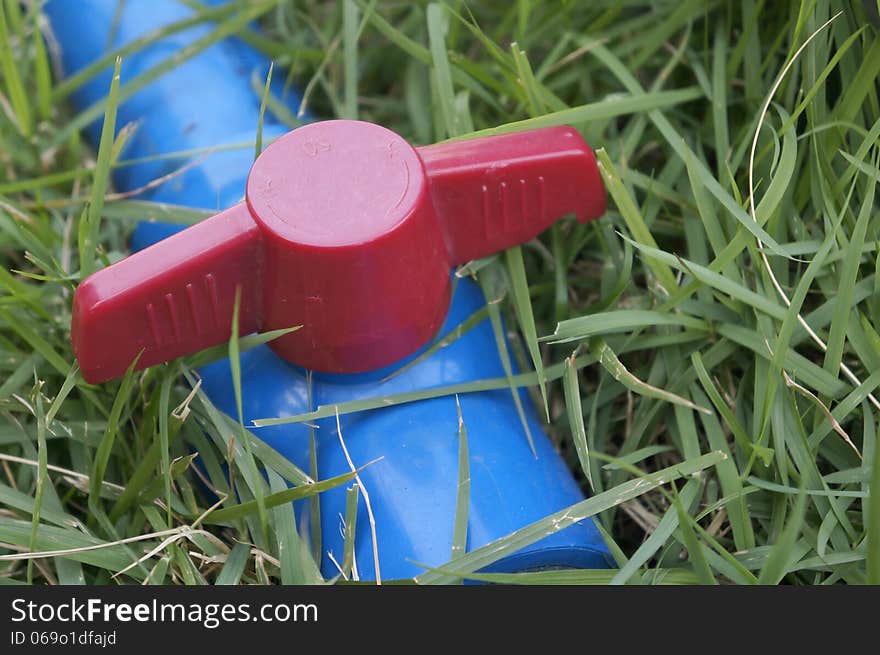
column 413, row 479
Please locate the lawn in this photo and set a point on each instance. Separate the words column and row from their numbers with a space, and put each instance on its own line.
column 708, row 351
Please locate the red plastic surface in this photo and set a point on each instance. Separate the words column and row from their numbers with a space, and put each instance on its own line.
column 346, row 230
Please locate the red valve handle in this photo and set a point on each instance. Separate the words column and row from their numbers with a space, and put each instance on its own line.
column 346, row 230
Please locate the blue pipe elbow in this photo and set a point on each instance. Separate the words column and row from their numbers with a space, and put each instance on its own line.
column 413, row 480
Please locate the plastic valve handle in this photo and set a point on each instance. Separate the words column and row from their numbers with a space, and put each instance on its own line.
column 346, row 230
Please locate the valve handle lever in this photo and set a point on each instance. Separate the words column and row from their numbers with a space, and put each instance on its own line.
column 495, row 192
column 346, row 230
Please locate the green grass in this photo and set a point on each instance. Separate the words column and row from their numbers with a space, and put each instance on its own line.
column 707, row 353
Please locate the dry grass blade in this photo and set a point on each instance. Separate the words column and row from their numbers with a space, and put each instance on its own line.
column 366, row 495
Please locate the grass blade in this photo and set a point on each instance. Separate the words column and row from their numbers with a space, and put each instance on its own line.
column 609, row 361
column 463, row 497
column 349, row 566
column 297, row 564
column 657, row 539
column 12, row 77
column 671, row 576
column 235, row 366
column 481, row 557
column 350, row 34
column 782, row 554
column 606, row 109
column 623, row 320
column 632, row 216
column 233, row 568
column 695, row 549
column 258, row 145
column 522, row 305
column 91, row 221
column 575, row 413
column 164, row 441
column 872, row 548
column 489, row 284
column 42, row 474
column 227, row 514
column 102, row 454
column 438, row 25
column 844, row 299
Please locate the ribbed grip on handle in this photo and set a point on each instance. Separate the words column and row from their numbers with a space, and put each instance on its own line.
column 494, row 192
column 171, row 299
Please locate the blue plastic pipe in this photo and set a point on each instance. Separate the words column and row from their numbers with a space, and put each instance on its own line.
column 209, row 100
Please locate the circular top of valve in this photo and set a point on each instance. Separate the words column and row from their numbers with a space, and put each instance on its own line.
column 335, row 183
